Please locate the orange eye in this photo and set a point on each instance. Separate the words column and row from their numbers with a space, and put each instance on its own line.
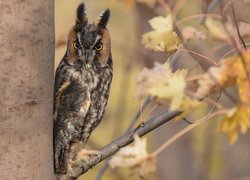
column 98, row 46
column 76, row 45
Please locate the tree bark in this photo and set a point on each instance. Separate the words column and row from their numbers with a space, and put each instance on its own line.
column 26, row 86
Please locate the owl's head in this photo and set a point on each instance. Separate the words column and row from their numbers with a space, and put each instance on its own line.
column 89, row 43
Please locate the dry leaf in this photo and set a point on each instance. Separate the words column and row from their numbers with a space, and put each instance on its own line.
column 162, row 38
column 233, row 71
column 162, row 23
column 135, row 157
column 130, row 155
column 216, row 28
column 146, row 167
column 163, row 84
column 208, row 83
column 192, row 32
column 237, row 118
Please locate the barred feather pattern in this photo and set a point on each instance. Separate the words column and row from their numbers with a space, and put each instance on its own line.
column 82, row 85
column 81, row 107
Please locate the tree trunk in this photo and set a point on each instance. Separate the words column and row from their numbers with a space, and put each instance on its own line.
column 26, row 86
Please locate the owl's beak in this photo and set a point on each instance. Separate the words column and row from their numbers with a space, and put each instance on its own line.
column 88, row 58
column 87, row 53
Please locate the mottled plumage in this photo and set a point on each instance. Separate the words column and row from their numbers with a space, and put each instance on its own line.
column 82, row 85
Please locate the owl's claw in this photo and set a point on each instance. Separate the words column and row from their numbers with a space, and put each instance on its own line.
column 86, row 154
column 82, row 160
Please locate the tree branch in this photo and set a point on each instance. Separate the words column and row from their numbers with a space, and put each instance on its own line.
column 122, row 141
column 131, row 125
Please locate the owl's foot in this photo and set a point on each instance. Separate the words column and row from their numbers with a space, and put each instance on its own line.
column 85, row 155
column 82, row 160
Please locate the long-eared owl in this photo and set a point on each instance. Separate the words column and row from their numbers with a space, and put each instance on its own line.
column 82, row 85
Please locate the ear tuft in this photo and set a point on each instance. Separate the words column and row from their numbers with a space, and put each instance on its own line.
column 81, row 14
column 103, row 19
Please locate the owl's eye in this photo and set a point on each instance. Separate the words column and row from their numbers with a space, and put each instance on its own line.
column 98, row 46
column 76, row 45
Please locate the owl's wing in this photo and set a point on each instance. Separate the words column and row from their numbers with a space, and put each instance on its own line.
column 60, row 77
column 57, row 97
column 71, row 99
column 72, row 102
column 62, row 82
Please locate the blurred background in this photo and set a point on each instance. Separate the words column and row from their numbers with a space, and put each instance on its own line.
column 203, row 153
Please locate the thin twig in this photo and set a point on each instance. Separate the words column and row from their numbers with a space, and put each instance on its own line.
column 237, row 27
column 232, row 50
column 138, row 113
column 187, row 121
column 141, row 112
column 210, row 7
column 209, row 60
column 198, row 16
column 206, row 99
column 227, row 94
column 235, row 40
column 243, row 61
column 184, row 131
column 149, row 113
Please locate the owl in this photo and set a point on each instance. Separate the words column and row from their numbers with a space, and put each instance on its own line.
column 82, row 86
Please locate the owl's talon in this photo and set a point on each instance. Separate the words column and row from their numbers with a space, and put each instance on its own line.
column 82, row 160
column 74, row 169
column 86, row 154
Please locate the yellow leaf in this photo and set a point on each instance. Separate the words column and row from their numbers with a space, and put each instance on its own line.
column 135, row 157
column 188, row 103
column 129, row 156
column 164, row 85
column 146, row 167
column 233, row 137
column 216, row 28
column 237, row 118
column 207, row 85
column 244, row 90
column 162, row 23
column 162, row 38
column 233, row 71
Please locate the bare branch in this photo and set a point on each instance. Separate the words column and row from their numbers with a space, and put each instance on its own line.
column 122, row 141
column 126, row 139
column 131, row 125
